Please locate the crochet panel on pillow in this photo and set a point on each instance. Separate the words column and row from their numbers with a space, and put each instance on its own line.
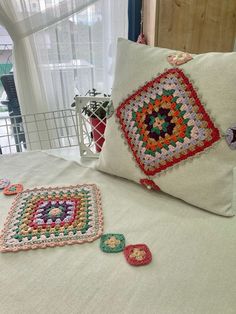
column 164, row 122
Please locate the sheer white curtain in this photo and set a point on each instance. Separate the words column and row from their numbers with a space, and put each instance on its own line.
column 62, row 48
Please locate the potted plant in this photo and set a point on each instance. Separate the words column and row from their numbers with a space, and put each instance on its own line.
column 96, row 111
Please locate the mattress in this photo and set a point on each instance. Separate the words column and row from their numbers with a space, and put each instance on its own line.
column 194, row 252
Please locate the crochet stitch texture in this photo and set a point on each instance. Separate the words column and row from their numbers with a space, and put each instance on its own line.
column 138, row 254
column 179, row 57
column 112, row 242
column 48, row 217
column 164, row 122
column 13, row 189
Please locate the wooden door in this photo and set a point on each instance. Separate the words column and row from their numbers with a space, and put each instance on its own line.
column 196, row 26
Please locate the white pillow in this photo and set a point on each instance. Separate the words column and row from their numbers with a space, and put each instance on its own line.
column 173, row 112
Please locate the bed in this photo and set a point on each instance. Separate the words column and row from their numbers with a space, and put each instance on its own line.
column 192, row 271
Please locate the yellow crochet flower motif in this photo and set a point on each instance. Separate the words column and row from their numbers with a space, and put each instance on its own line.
column 138, row 254
column 112, row 242
column 55, row 211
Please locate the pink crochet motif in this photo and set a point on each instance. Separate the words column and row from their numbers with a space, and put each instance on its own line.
column 178, row 58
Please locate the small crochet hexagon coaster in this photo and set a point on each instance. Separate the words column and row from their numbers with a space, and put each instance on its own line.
column 4, row 182
column 112, row 242
column 137, row 254
column 13, row 189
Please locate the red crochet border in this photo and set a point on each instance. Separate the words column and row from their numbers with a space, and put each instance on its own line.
column 189, row 87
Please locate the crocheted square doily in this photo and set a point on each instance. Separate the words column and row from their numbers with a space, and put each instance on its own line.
column 48, row 217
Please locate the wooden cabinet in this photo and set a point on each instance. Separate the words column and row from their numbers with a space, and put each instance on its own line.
column 196, row 26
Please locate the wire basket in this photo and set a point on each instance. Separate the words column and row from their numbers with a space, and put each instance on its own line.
column 39, row 131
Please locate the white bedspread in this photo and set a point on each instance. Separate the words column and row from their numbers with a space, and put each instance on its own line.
column 194, row 252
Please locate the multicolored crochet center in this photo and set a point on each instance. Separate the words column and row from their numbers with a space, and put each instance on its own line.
column 164, row 122
column 48, row 217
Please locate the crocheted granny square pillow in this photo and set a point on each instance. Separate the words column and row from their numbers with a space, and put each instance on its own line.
column 174, row 124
